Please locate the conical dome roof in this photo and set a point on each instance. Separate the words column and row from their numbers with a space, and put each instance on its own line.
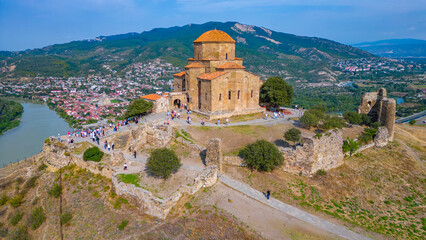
column 214, row 36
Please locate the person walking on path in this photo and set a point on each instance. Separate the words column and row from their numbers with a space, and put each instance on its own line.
column 125, row 166
column 109, row 147
column 134, row 153
column 268, row 194
column 218, row 122
column 226, row 121
column 112, row 146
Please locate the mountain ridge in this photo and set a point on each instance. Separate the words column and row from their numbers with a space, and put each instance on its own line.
column 395, row 48
column 265, row 51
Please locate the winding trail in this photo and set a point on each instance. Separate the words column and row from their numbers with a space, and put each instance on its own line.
column 292, row 211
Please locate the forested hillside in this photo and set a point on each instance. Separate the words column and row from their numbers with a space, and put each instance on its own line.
column 10, row 112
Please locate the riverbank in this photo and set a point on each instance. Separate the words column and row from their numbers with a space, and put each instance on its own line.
column 37, row 123
column 10, row 115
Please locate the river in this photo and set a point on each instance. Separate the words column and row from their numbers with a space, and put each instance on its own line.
column 38, row 122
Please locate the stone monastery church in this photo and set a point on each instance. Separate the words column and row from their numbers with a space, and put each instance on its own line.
column 215, row 83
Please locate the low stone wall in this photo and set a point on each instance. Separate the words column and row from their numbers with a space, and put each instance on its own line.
column 149, row 204
column 225, row 114
column 55, row 157
column 236, row 161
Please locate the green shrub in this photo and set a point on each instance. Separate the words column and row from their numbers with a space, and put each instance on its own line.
column 123, row 224
column 188, row 205
column 138, row 107
column 350, row 145
column 3, row 199
column 55, row 190
column 262, row 156
column 412, row 122
column 163, row 162
column 119, row 201
column 36, row 218
column 321, row 172
column 293, row 134
column 16, row 218
column 353, row 117
column 368, row 135
column 93, row 154
column 31, row 182
column 42, row 167
column 376, row 125
column 333, row 122
column 276, row 92
column 317, row 113
column 17, row 200
column 309, row 120
column 21, row 233
column 66, row 218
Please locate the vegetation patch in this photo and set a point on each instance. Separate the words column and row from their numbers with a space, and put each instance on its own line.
column 262, row 156
column 55, row 190
column 15, row 218
column 93, row 154
column 66, row 218
column 36, row 218
column 163, row 162
column 133, row 178
column 122, row 225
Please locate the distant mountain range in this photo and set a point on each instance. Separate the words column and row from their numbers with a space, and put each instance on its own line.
column 265, row 52
column 395, row 48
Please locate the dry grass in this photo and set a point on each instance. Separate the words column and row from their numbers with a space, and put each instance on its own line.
column 381, row 190
column 81, row 147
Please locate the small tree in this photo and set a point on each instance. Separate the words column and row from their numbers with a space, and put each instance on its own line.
column 293, row 134
column 93, row 154
column 276, row 92
column 350, row 145
column 138, row 107
column 162, row 162
column 262, row 156
column 412, row 122
column 309, row 120
column 353, row 117
column 36, row 218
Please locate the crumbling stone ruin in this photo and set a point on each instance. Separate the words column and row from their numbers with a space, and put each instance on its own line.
column 315, row 153
column 214, row 153
column 380, row 108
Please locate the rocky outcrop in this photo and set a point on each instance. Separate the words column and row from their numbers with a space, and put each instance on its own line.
column 117, row 158
column 150, row 135
column 149, row 204
column 214, row 153
column 314, row 153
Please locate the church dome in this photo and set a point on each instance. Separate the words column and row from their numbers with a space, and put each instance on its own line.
column 214, row 36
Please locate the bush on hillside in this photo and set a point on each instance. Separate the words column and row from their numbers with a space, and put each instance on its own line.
column 36, row 218
column 309, row 120
column 262, row 156
column 350, row 145
column 293, row 134
column 93, row 154
column 163, row 162
column 66, row 218
column 333, row 122
column 55, row 190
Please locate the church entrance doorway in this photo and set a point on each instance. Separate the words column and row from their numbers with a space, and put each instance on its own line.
column 199, row 94
column 176, row 103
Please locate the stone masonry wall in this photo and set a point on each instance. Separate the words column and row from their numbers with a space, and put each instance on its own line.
column 149, row 204
column 314, row 154
column 214, row 153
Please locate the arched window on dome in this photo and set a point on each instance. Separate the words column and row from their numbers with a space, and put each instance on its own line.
column 229, row 95
column 226, row 56
column 251, row 93
column 238, row 94
column 220, row 96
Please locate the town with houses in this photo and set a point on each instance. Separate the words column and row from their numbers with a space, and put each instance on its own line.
column 375, row 65
column 95, row 97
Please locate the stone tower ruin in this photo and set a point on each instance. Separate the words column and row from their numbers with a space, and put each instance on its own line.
column 380, row 108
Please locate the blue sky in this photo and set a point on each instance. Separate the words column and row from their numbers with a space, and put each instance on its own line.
column 26, row 24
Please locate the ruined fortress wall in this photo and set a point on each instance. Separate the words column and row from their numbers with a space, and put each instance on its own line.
column 387, row 116
column 214, row 153
column 314, row 154
column 149, row 204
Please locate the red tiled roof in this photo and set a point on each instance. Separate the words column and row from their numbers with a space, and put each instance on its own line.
column 214, row 36
column 152, row 97
column 180, row 74
column 238, row 58
column 211, row 76
column 195, row 65
column 231, row 65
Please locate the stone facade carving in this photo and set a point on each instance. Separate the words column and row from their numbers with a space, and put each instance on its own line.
column 149, row 204
column 380, row 108
column 314, row 154
column 214, row 153
column 214, row 82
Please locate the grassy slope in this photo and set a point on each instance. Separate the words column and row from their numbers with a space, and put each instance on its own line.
column 381, row 190
column 97, row 212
